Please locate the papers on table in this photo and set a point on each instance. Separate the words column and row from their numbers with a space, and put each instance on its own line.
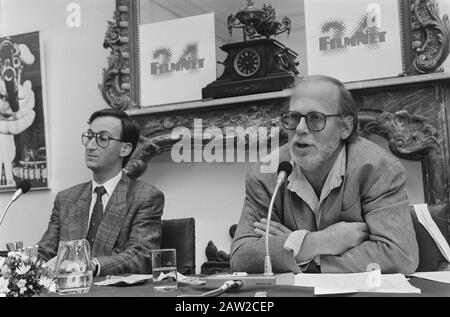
column 112, row 280
column 424, row 217
column 441, row 276
column 124, row 280
column 192, row 280
column 372, row 281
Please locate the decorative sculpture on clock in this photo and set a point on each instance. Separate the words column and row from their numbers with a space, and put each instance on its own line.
column 259, row 63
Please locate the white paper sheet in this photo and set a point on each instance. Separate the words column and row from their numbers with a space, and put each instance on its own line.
column 424, row 217
column 354, row 282
column 137, row 278
column 441, row 276
column 193, row 280
column 118, row 280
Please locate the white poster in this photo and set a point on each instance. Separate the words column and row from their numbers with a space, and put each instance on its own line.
column 177, row 59
column 353, row 40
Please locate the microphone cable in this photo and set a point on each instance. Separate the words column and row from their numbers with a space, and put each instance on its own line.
column 228, row 285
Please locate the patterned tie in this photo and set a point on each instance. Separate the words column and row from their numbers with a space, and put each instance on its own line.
column 97, row 215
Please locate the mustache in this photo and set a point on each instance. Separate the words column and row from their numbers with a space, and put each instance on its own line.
column 302, row 142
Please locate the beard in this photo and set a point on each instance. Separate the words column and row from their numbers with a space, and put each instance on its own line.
column 317, row 156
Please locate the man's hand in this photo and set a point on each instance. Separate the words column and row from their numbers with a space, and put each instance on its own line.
column 334, row 240
column 341, row 236
column 276, row 228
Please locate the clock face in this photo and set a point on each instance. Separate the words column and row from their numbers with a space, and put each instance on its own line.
column 247, row 62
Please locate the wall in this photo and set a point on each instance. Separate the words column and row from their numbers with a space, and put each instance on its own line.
column 212, row 193
column 73, row 61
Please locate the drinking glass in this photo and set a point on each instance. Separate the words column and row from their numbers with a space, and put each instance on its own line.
column 164, row 265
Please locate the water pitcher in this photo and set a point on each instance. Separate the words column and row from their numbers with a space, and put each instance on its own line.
column 73, row 270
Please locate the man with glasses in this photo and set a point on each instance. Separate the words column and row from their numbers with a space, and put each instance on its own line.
column 119, row 216
column 343, row 207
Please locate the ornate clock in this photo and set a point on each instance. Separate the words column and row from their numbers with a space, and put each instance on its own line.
column 260, row 64
column 247, row 62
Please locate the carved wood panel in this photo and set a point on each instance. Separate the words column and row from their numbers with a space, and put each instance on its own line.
column 413, row 119
column 426, row 36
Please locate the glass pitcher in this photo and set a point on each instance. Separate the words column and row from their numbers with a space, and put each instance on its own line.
column 73, row 270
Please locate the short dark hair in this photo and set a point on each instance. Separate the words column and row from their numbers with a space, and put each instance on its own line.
column 130, row 128
column 347, row 105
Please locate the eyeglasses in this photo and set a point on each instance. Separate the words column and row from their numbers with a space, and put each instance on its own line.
column 101, row 138
column 315, row 121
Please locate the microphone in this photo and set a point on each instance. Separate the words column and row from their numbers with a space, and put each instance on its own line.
column 268, row 278
column 284, row 170
column 22, row 188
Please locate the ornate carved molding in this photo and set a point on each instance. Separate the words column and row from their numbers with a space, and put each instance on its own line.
column 116, row 85
column 157, row 136
column 430, row 37
column 409, row 136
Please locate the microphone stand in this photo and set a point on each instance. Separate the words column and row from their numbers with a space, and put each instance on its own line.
column 267, row 260
column 268, row 278
column 4, row 211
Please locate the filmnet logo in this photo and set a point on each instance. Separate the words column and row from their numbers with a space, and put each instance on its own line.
column 338, row 36
column 188, row 61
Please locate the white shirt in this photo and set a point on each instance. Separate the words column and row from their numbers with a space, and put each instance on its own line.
column 109, row 186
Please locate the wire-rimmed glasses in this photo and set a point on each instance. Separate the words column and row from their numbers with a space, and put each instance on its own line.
column 102, row 139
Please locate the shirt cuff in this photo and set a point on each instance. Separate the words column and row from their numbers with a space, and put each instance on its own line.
column 294, row 243
column 97, row 263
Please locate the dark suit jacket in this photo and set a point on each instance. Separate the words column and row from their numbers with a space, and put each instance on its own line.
column 130, row 228
column 372, row 191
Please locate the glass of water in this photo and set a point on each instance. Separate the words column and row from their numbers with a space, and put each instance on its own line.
column 164, row 266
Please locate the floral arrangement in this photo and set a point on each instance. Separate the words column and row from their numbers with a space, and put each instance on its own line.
column 22, row 275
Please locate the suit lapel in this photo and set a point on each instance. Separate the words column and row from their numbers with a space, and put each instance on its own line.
column 78, row 227
column 114, row 216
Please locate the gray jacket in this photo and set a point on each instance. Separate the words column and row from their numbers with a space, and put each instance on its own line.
column 372, row 191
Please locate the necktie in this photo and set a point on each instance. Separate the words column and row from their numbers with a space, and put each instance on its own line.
column 97, row 215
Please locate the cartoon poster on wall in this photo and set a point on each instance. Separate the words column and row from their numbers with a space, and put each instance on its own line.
column 23, row 145
column 177, row 59
column 353, row 40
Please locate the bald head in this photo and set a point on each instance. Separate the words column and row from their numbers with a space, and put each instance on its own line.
column 319, row 91
column 327, row 90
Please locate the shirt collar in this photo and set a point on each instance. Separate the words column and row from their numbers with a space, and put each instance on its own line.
column 109, row 185
column 299, row 184
column 335, row 175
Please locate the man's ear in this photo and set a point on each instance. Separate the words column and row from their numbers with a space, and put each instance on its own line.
column 125, row 150
column 346, row 127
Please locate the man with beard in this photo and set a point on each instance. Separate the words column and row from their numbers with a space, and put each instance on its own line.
column 343, row 207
